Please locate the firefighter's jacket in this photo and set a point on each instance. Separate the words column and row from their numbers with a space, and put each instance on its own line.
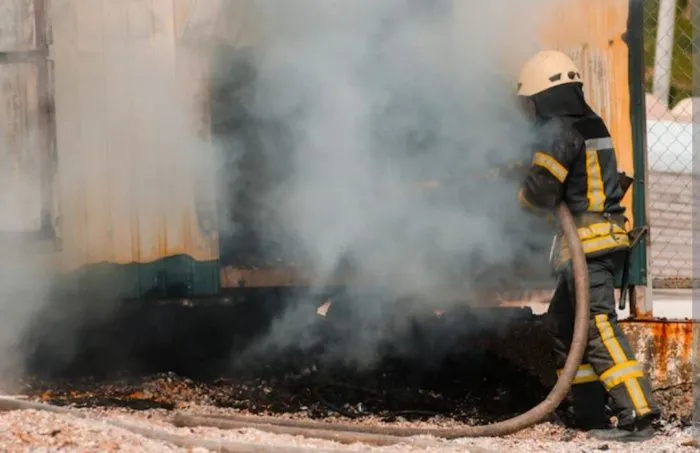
column 575, row 163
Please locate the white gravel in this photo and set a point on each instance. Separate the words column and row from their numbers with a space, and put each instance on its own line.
column 40, row 431
column 44, row 432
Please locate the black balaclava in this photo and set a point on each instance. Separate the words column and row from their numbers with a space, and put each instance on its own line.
column 561, row 100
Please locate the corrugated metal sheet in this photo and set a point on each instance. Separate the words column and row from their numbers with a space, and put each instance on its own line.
column 591, row 32
column 130, row 161
column 196, row 22
column 20, row 153
column 235, row 22
column 17, row 25
column 194, row 19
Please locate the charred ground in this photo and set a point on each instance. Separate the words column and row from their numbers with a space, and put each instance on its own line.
column 458, row 365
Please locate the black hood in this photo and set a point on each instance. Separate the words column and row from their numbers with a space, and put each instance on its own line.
column 562, row 100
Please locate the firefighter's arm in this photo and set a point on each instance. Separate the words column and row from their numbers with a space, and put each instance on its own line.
column 543, row 186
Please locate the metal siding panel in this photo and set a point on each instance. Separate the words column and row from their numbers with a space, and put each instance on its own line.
column 235, row 22
column 126, row 156
column 72, row 199
column 20, row 155
column 17, row 25
column 591, row 31
column 122, row 115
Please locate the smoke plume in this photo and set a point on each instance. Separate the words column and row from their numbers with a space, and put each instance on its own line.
column 378, row 123
column 371, row 100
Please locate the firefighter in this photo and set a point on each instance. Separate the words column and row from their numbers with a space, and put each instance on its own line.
column 574, row 162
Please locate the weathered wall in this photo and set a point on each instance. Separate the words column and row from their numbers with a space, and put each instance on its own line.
column 130, row 160
column 20, row 151
column 591, row 32
column 200, row 26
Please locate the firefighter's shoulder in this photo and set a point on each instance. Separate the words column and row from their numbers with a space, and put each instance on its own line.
column 560, row 139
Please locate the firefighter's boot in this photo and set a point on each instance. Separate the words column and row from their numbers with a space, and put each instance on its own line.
column 639, row 430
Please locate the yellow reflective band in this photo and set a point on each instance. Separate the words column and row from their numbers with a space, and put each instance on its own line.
column 627, row 373
column 598, row 230
column 629, row 369
column 584, row 375
column 596, row 245
column 621, row 373
column 602, row 143
column 636, row 394
column 551, row 165
column 607, row 336
column 605, row 243
column 524, row 201
column 594, row 181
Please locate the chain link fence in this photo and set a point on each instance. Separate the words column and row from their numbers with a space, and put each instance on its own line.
column 668, row 53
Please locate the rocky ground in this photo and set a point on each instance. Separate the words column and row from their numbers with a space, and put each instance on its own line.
column 41, row 431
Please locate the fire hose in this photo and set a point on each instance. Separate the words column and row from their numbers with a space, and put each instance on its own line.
column 502, row 428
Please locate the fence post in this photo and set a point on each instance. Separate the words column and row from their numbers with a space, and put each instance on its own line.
column 664, row 50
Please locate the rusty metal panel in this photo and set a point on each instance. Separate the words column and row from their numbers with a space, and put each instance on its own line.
column 231, row 277
column 127, row 147
column 665, row 348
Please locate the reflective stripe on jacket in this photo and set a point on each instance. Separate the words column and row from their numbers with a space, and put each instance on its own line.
column 577, row 165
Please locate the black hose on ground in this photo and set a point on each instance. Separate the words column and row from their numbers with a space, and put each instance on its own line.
column 512, row 425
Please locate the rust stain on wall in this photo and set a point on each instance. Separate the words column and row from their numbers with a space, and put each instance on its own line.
column 130, row 159
column 232, row 277
column 665, row 348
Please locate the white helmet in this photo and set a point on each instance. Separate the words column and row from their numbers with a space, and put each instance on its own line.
column 545, row 70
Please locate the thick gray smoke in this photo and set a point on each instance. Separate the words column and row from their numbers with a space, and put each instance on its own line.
column 362, row 101
column 373, row 98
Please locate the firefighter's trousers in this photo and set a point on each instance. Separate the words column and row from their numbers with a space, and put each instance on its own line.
column 608, row 362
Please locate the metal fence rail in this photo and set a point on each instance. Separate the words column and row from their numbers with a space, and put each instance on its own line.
column 669, row 79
